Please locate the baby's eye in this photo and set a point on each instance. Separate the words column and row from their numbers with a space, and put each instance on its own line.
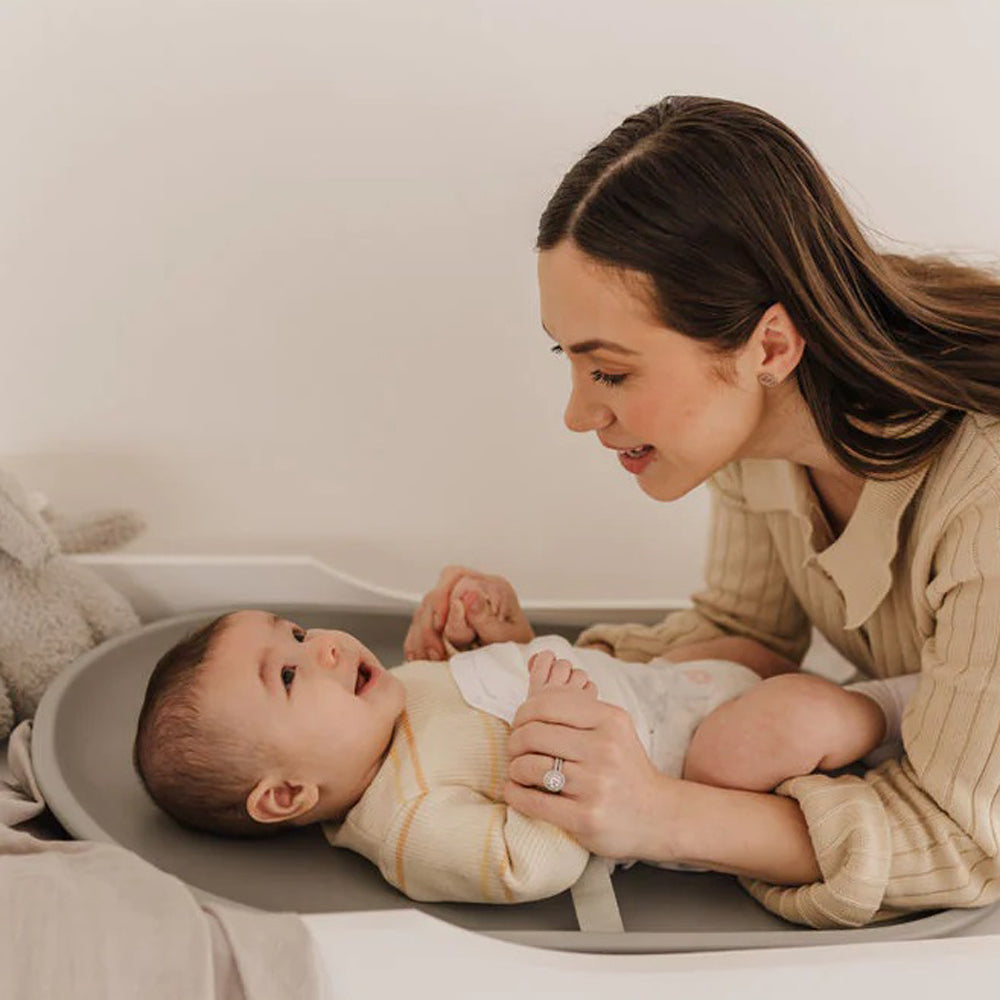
column 298, row 634
column 287, row 676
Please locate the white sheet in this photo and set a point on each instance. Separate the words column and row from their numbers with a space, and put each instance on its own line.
column 405, row 953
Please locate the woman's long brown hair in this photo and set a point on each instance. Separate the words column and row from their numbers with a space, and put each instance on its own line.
column 725, row 211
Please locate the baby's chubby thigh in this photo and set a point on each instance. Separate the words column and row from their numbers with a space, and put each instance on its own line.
column 786, row 725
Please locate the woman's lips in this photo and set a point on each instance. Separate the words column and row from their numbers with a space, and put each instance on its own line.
column 636, row 459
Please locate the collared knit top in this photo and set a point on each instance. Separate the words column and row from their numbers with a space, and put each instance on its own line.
column 911, row 585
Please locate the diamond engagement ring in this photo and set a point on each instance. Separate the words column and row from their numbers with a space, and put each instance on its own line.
column 554, row 780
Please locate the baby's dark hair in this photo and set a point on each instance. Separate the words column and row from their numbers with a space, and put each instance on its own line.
column 195, row 771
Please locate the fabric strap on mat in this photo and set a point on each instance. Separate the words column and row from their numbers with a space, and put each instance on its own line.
column 594, row 898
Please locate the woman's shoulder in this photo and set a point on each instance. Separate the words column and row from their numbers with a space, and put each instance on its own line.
column 982, row 430
column 967, row 470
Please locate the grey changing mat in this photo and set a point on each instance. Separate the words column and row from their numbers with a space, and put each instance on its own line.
column 81, row 750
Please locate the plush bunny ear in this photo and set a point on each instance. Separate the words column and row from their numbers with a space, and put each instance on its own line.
column 24, row 536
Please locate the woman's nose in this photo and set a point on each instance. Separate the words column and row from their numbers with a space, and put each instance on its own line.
column 584, row 413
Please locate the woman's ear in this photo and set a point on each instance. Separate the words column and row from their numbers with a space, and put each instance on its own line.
column 780, row 345
column 274, row 800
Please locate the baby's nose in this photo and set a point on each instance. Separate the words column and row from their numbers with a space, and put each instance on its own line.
column 338, row 659
column 325, row 649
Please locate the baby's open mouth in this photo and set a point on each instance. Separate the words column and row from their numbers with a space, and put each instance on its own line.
column 364, row 676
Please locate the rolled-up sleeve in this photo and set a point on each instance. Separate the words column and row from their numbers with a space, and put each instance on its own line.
column 921, row 832
column 746, row 593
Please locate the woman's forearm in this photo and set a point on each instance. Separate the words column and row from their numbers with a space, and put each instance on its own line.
column 760, row 835
column 759, row 658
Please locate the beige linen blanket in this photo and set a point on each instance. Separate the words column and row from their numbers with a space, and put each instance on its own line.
column 88, row 920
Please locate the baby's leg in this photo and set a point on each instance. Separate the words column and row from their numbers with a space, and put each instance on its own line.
column 787, row 725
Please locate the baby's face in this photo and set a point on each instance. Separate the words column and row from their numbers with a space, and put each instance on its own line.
column 319, row 698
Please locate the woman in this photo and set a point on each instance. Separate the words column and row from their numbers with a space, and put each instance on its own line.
column 726, row 321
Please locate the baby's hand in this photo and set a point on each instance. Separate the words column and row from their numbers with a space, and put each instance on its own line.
column 547, row 671
column 465, row 607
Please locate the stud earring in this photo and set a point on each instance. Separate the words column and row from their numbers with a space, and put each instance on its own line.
column 767, row 380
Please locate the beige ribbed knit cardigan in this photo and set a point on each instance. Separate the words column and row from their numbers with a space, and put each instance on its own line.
column 912, row 584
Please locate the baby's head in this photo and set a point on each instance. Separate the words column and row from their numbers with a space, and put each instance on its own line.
column 252, row 724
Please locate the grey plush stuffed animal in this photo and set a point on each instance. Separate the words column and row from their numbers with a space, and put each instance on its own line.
column 52, row 609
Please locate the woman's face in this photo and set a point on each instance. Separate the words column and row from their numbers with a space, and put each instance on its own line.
column 673, row 412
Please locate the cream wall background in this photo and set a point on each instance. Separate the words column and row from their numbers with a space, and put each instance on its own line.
column 266, row 268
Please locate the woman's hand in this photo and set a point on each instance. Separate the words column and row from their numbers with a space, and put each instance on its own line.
column 614, row 800
column 464, row 607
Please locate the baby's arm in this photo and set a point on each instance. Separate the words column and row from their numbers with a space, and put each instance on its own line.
column 455, row 844
column 785, row 726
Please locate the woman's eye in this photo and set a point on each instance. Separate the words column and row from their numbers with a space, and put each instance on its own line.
column 287, row 676
column 298, row 634
column 607, row 379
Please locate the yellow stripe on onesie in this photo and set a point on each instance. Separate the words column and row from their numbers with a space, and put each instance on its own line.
column 433, row 819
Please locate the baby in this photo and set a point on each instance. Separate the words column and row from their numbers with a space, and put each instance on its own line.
column 254, row 724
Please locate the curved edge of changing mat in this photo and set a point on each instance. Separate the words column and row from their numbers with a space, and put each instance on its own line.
column 80, row 824
column 51, row 783
column 943, row 923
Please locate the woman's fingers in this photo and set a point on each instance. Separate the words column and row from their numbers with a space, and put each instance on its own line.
column 496, row 613
column 569, row 707
column 530, row 769
column 424, row 637
column 612, row 792
column 423, row 641
column 420, row 634
column 457, row 629
column 549, row 740
column 465, row 605
column 440, row 596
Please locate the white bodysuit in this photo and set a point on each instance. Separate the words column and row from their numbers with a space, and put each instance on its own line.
column 666, row 701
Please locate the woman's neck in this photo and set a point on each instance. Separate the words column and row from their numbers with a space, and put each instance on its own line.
column 788, row 431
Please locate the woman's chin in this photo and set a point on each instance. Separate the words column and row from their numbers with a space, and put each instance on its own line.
column 664, row 488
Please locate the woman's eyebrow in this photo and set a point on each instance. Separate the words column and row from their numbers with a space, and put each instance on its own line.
column 589, row 346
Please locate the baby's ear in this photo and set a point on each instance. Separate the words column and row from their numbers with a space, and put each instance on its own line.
column 276, row 801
